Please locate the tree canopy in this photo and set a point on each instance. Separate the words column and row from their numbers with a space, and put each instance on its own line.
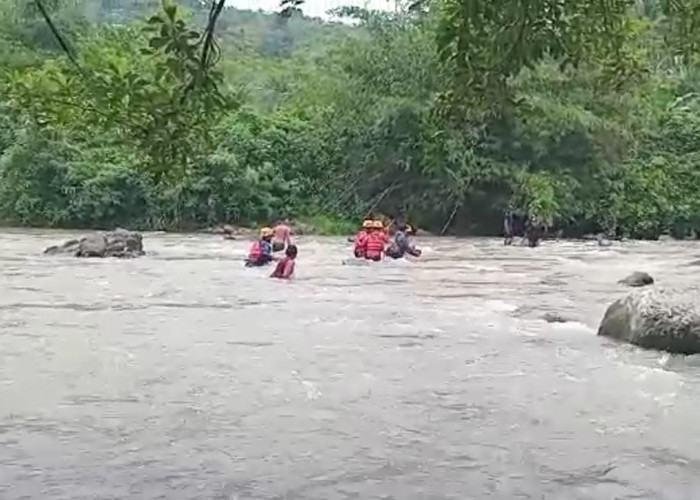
column 583, row 113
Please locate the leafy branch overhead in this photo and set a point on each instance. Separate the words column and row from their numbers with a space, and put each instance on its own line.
column 491, row 42
column 290, row 7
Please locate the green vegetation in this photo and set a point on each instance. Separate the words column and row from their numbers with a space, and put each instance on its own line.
column 585, row 114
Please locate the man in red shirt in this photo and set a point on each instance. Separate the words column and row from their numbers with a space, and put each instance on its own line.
column 285, row 267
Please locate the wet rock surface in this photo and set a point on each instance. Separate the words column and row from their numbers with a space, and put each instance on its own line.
column 667, row 320
column 119, row 243
column 637, row 279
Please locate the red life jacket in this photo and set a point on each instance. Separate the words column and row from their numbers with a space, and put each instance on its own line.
column 255, row 251
column 361, row 243
column 375, row 245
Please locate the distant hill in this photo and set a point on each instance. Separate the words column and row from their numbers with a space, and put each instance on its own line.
column 262, row 32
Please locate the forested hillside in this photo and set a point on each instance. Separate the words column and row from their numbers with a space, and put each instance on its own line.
column 583, row 113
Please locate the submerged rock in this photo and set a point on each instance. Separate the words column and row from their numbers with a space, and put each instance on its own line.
column 69, row 247
column 603, row 241
column 637, row 278
column 93, row 245
column 118, row 243
column 551, row 317
column 667, row 320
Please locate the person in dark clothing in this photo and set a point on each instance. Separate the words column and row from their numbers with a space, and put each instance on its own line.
column 533, row 232
column 508, row 227
column 515, row 223
column 402, row 245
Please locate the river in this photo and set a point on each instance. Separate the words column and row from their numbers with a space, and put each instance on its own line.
column 183, row 375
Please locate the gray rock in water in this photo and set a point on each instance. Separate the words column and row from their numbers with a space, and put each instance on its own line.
column 123, row 243
column 603, row 241
column 94, row 245
column 667, row 320
column 554, row 318
column 637, row 278
column 69, row 247
column 118, row 243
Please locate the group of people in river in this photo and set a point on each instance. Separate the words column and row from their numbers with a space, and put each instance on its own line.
column 376, row 240
column 276, row 239
column 373, row 242
column 520, row 224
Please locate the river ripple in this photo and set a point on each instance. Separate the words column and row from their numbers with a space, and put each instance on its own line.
column 183, row 375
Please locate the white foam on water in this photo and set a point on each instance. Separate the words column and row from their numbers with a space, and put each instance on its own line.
column 500, row 306
column 573, row 325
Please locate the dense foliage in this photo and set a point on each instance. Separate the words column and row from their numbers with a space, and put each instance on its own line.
column 585, row 114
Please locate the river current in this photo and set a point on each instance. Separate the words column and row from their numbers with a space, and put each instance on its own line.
column 183, row 375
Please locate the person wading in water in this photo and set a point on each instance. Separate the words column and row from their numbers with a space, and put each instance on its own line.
column 282, row 235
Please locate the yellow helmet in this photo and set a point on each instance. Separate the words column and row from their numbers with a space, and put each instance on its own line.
column 377, row 224
column 367, row 223
column 265, row 232
column 409, row 229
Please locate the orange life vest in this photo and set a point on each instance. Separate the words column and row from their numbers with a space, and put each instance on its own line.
column 375, row 245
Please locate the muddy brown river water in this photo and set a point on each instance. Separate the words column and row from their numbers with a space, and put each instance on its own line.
column 183, row 375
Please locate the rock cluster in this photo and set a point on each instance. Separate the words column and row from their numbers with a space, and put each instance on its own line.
column 118, row 243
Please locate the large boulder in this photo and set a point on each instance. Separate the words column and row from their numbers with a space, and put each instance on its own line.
column 123, row 243
column 118, row 243
column 93, row 245
column 653, row 318
column 636, row 279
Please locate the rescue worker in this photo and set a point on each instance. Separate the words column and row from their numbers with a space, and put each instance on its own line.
column 261, row 251
column 402, row 245
column 374, row 244
column 361, row 237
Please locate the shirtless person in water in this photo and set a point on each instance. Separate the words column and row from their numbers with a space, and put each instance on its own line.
column 283, row 235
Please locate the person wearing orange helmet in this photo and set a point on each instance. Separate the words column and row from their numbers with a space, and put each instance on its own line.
column 361, row 239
